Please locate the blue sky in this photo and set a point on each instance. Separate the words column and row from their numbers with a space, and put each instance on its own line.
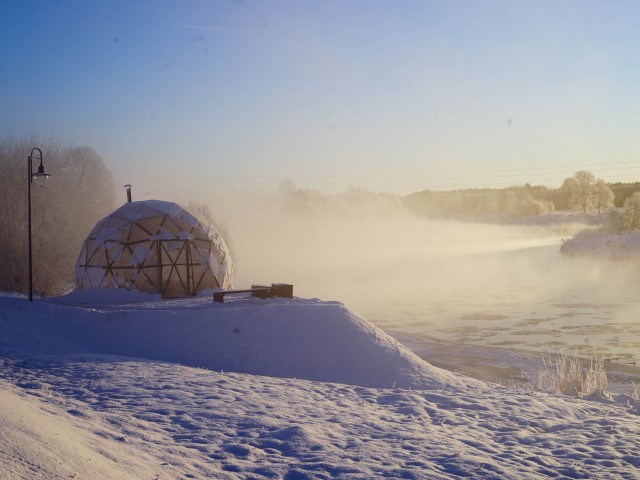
column 195, row 96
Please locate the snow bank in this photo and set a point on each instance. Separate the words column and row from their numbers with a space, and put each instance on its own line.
column 305, row 339
column 603, row 244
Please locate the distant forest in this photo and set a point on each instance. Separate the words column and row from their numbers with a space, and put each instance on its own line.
column 622, row 191
column 522, row 200
column 582, row 192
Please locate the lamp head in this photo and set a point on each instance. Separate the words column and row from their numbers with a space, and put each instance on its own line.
column 40, row 177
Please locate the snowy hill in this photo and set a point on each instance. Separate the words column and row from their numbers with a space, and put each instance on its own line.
column 309, row 339
column 293, row 389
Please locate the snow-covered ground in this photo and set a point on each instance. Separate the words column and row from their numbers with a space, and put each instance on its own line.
column 601, row 243
column 118, row 385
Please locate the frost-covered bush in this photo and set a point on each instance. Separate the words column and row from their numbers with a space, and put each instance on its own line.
column 213, row 223
column 604, row 242
column 568, row 376
column 518, row 203
column 635, row 394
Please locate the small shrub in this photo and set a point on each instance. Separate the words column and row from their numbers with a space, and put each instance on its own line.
column 636, row 391
column 566, row 375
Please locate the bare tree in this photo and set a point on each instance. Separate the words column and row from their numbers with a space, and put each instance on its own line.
column 80, row 192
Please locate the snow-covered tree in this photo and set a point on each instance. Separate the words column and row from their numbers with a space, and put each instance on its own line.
column 602, row 196
column 586, row 193
column 582, row 196
column 630, row 218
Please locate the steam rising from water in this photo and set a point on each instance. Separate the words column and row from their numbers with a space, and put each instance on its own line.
column 461, row 281
column 353, row 251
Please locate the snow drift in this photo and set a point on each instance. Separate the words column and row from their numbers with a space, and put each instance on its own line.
column 305, row 339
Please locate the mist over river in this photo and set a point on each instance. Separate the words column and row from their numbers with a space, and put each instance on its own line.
column 492, row 284
column 533, row 299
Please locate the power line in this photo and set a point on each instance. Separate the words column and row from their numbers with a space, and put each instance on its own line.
column 404, row 183
column 364, row 179
column 339, row 188
column 413, row 174
column 401, row 183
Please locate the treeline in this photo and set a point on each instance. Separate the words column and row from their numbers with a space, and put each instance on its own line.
column 582, row 192
column 353, row 202
column 79, row 193
column 561, row 197
column 622, row 191
column 512, row 201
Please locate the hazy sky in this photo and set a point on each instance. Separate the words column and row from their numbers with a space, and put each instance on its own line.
column 389, row 95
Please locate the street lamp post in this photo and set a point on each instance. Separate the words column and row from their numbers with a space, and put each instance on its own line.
column 40, row 178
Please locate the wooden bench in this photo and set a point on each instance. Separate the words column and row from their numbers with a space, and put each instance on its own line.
column 282, row 290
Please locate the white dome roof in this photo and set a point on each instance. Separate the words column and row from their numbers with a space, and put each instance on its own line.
column 156, row 247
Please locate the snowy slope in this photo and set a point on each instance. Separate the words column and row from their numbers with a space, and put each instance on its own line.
column 41, row 440
column 308, row 339
column 71, row 408
column 602, row 243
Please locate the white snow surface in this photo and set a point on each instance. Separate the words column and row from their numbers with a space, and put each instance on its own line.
column 115, row 384
column 601, row 243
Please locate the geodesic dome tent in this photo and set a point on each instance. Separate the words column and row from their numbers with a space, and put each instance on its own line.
column 155, row 247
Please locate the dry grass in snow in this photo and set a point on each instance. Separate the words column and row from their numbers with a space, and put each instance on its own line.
column 570, row 376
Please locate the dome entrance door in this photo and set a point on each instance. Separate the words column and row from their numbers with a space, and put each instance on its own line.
column 176, row 270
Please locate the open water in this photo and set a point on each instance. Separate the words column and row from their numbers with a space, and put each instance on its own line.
column 530, row 298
